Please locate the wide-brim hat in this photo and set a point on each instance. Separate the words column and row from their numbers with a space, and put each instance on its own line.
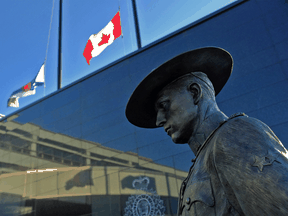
column 215, row 62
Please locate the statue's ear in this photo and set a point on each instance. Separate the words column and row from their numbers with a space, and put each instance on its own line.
column 196, row 92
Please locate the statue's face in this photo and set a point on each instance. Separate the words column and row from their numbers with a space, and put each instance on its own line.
column 176, row 112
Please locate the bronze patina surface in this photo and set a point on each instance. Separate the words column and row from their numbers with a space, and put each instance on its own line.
column 241, row 167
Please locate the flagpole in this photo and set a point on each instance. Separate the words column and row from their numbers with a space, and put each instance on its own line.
column 136, row 24
column 60, row 46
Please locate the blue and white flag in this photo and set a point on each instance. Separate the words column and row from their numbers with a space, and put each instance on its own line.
column 28, row 89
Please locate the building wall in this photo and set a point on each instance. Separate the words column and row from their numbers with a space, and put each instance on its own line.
column 90, row 115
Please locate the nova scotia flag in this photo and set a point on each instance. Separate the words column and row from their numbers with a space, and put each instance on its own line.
column 28, row 89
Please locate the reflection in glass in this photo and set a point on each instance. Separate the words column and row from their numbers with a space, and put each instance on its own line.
column 41, row 169
column 99, row 13
column 162, row 17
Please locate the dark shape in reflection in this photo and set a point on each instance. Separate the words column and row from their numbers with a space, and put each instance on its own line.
column 81, row 179
column 127, row 182
column 60, row 208
column 10, row 204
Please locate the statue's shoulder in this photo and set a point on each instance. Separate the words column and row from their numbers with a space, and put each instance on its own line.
column 242, row 129
column 251, row 162
column 245, row 138
column 243, row 122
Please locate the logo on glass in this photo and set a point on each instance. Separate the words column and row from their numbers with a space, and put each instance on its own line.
column 144, row 204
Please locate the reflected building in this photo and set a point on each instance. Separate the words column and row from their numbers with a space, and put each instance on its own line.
column 74, row 152
column 56, row 174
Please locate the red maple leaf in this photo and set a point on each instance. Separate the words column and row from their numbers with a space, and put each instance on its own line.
column 104, row 40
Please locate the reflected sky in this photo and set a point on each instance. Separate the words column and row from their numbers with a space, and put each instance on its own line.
column 161, row 17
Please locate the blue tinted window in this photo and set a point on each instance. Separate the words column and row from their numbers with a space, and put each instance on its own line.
column 81, row 19
column 161, row 17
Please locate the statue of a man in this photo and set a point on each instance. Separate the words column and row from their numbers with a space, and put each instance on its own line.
column 241, row 167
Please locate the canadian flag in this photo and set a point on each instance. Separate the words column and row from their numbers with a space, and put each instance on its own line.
column 98, row 42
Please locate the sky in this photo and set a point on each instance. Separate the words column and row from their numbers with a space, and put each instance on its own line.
column 25, row 29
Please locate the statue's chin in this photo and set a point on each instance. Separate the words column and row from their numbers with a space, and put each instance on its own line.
column 177, row 140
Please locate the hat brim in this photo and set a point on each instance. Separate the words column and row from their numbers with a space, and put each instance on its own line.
column 215, row 62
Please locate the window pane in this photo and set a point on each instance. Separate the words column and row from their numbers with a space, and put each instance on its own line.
column 161, row 17
column 81, row 19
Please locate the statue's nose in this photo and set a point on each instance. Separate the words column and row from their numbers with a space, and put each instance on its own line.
column 160, row 120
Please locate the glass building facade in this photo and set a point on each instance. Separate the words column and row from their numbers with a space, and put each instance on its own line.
column 74, row 152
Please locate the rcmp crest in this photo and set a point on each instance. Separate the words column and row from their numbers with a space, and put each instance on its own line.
column 148, row 204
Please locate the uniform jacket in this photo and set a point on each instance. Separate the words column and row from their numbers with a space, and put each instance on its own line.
column 240, row 169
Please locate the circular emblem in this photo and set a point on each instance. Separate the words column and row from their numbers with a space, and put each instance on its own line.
column 144, row 204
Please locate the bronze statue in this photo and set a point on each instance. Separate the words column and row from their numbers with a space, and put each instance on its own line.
column 241, row 167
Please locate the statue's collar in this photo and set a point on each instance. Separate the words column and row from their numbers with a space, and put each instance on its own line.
column 206, row 128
